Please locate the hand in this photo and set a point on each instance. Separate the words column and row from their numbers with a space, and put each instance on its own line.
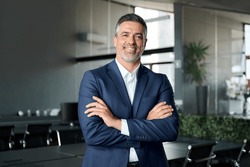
column 100, row 109
column 160, row 111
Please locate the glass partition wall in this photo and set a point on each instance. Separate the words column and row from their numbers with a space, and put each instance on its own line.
column 224, row 33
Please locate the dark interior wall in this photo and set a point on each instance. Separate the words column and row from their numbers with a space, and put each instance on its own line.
column 37, row 44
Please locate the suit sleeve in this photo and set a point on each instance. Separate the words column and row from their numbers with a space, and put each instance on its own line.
column 157, row 129
column 95, row 131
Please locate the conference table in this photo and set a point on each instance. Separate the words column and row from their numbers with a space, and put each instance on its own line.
column 44, row 156
column 72, row 154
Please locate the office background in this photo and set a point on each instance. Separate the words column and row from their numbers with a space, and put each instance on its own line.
column 39, row 43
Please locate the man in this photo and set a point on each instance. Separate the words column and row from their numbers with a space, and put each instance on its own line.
column 125, row 110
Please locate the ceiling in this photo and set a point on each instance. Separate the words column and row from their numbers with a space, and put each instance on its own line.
column 241, row 7
column 237, row 6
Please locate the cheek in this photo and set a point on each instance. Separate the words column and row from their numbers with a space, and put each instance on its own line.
column 115, row 41
column 118, row 43
column 140, row 45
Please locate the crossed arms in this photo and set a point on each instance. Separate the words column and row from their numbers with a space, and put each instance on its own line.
column 100, row 109
column 102, row 126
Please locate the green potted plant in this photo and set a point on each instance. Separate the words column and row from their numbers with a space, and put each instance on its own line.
column 195, row 71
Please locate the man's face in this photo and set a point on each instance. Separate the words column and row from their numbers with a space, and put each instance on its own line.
column 130, row 41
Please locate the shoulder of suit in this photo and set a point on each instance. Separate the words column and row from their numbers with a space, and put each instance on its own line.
column 100, row 69
column 150, row 72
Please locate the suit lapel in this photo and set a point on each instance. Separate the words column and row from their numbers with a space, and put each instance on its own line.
column 142, row 79
column 116, row 76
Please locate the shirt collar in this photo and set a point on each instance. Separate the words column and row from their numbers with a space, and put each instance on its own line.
column 125, row 72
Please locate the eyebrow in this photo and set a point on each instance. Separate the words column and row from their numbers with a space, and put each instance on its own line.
column 126, row 32
column 139, row 34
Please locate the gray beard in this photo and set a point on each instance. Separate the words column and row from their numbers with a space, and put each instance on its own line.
column 130, row 60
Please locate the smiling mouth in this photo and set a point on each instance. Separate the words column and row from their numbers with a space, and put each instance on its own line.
column 130, row 49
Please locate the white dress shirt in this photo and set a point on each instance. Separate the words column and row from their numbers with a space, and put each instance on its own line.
column 130, row 80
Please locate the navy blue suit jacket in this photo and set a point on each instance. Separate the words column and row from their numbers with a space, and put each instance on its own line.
column 107, row 147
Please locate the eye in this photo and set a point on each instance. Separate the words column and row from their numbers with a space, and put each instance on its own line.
column 138, row 36
column 124, row 34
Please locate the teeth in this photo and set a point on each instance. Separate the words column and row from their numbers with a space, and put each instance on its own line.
column 131, row 48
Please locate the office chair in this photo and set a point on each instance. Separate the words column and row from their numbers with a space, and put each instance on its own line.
column 233, row 158
column 245, row 149
column 36, row 135
column 69, row 113
column 199, row 155
column 69, row 136
column 6, row 138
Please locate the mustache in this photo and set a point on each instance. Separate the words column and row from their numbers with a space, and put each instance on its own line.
column 130, row 46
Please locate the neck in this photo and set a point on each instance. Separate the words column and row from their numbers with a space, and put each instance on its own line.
column 130, row 66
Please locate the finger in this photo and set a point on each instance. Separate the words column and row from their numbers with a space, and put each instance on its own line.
column 92, row 110
column 95, row 104
column 165, row 111
column 166, row 114
column 95, row 113
column 167, row 107
column 159, row 105
column 88, row 111
column 157, row 111
column 90, row 105
column 98, row 100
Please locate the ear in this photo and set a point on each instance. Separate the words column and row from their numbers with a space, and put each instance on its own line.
column 115, row 40
column 145, row 43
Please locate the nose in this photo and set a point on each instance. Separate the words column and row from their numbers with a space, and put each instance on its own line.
column 131, row 40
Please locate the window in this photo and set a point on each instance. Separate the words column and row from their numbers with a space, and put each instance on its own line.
column 247, row 49
column 160, row 35
column 160, row 27
column 247, row 39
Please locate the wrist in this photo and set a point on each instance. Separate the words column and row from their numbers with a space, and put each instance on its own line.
column 117, row 124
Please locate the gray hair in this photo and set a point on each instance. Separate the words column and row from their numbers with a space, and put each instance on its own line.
column 131, row 17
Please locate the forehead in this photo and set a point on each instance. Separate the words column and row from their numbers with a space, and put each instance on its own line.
column 133, row 26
